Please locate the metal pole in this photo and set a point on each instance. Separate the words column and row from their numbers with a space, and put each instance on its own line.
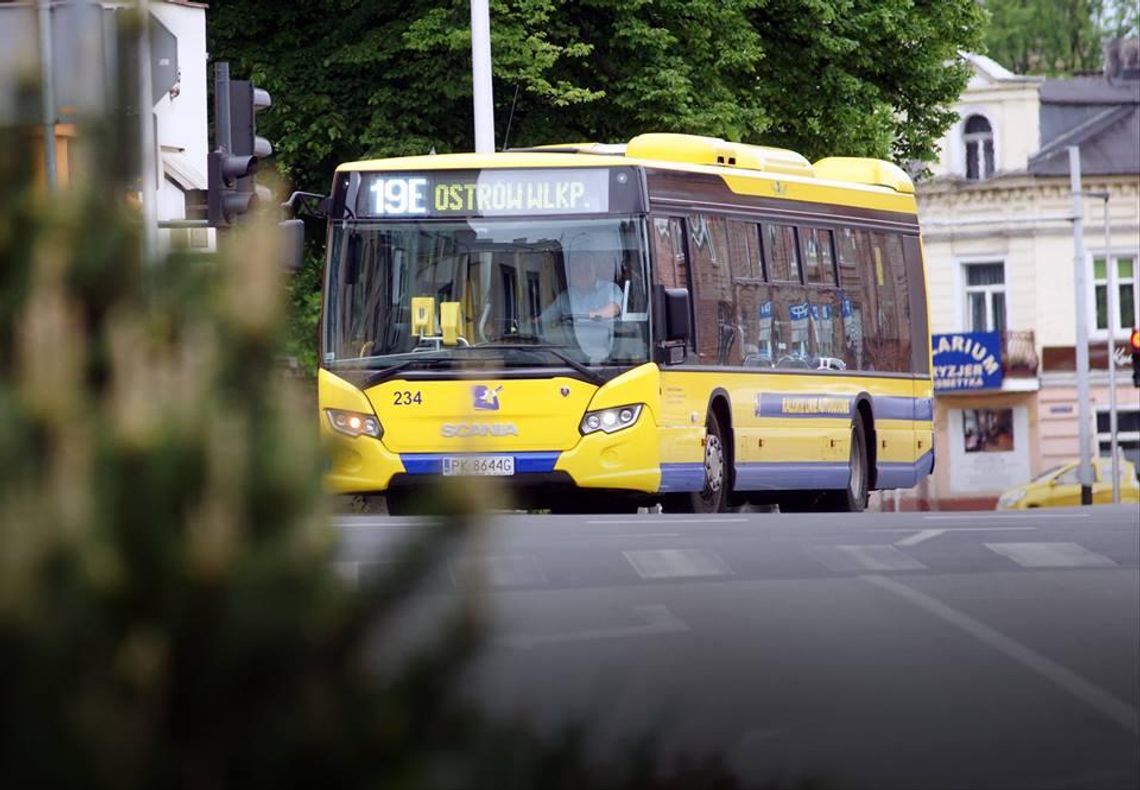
column 481, row 77
column 1084, row 468
column 1111, row 306
column 222, row 107
column 148, row 154
column 47, row 92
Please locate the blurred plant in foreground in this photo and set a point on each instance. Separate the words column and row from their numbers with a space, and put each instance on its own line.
column 169, row 614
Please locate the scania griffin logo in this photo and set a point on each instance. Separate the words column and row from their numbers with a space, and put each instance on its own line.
column 463, row 430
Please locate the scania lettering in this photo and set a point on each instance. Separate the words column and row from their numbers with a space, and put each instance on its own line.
column 677, row 320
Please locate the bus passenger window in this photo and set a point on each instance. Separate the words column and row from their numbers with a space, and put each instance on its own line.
column 669, row 252
column 850, row 245
column 818, row 265
column 718, row 340
column 893, row 309
column 744, row 251
column 780, row 253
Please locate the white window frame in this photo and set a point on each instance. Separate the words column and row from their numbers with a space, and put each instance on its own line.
column 1119, row 332
column 964, row 290
column 958, row 141
column 1105, row 437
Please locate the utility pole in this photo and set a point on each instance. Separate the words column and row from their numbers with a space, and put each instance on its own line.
column 47, row 92
column 481, row 77
column 1084, row 468
column 148, row 155
column 1111, row 306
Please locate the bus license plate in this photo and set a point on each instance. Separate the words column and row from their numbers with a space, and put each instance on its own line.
column 479, row 466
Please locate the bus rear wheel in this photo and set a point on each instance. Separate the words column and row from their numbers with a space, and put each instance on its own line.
column 713, row 497
column 853, row 498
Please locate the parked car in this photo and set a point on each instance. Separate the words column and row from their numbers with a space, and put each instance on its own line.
column 1059, row 487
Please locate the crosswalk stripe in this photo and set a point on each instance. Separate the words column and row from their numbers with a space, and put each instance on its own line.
column 676, row 563
column 507, row 570
column 1051, row 555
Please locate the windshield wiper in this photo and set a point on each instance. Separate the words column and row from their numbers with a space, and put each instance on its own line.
column 386, row 373
column 553, row 350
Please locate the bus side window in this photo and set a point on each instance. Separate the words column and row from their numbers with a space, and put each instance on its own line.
column 780, row 253
column 818, row 266
column 849, row 245
column 752, row 296
column 887, row 275
column 669, row 249
column 717, row 336
column 670, row 258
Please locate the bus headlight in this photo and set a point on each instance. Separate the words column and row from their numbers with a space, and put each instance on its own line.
column 353, row 423
column 610, row 420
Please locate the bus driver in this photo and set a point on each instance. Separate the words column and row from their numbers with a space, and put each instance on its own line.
column 591, row 291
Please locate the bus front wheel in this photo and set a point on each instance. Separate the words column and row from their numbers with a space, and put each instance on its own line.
column 713, row 497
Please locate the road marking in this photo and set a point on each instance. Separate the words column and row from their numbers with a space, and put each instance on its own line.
column 867, row 558
column 1006, row 516
column 638, row 535
column 924, row 535
column 676, row 563
column 920, row 537
column 508, row 570
column 665, row 521
column 1051, row 555
column 1112, row 708
column 656, row 619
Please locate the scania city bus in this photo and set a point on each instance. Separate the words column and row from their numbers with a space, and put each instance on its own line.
column 678, row 319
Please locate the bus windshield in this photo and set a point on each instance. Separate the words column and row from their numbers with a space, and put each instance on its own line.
column 575, row 288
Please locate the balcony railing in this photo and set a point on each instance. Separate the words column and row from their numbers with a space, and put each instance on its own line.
column 1019, row 354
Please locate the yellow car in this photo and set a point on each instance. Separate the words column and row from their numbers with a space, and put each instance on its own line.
column 1059, row 487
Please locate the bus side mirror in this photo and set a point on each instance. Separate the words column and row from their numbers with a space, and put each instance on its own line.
column 292, row 244
column 677, row 315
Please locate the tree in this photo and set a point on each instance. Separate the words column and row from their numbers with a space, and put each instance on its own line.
column 1055, row 37
column 377, row 78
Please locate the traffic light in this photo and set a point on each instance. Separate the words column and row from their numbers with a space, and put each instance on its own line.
column 1134, row 343
column 231, row 190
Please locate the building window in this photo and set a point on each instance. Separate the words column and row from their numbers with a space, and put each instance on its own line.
column 978, row 136
column 1128, row 291
column 1127, row 434
column 985, row 297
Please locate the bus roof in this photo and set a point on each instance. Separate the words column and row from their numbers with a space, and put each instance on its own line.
column 745, row 169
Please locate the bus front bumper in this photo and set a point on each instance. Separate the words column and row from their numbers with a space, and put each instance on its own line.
column 625, row 460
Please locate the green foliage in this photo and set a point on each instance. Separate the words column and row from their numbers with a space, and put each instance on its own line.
column 362, row 78
column 1055, row 37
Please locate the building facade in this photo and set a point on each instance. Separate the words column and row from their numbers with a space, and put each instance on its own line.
column 998, row 235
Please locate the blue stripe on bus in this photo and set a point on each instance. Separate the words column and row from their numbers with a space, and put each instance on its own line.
column 904, row 474
column 432, row 463
column 786, row 476
column 682, row 477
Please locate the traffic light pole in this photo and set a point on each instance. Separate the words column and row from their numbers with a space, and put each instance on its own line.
column 1084, row 468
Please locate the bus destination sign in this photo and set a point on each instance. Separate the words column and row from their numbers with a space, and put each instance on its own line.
column 486, row 193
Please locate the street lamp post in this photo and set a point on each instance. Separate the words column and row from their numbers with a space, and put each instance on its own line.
column 481, row 77
column 1084, row 468
column 1111, row 307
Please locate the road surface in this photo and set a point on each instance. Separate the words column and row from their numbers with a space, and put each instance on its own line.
column 894, row 650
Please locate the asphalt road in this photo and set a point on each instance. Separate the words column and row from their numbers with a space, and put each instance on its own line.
column 943, row 650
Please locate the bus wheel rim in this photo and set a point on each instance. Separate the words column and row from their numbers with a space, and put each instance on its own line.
column 856, row 471
column 714, row 465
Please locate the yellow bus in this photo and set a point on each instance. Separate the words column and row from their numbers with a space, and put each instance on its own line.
column 677, row 320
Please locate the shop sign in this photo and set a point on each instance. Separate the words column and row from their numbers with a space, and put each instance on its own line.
column 965, row 361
